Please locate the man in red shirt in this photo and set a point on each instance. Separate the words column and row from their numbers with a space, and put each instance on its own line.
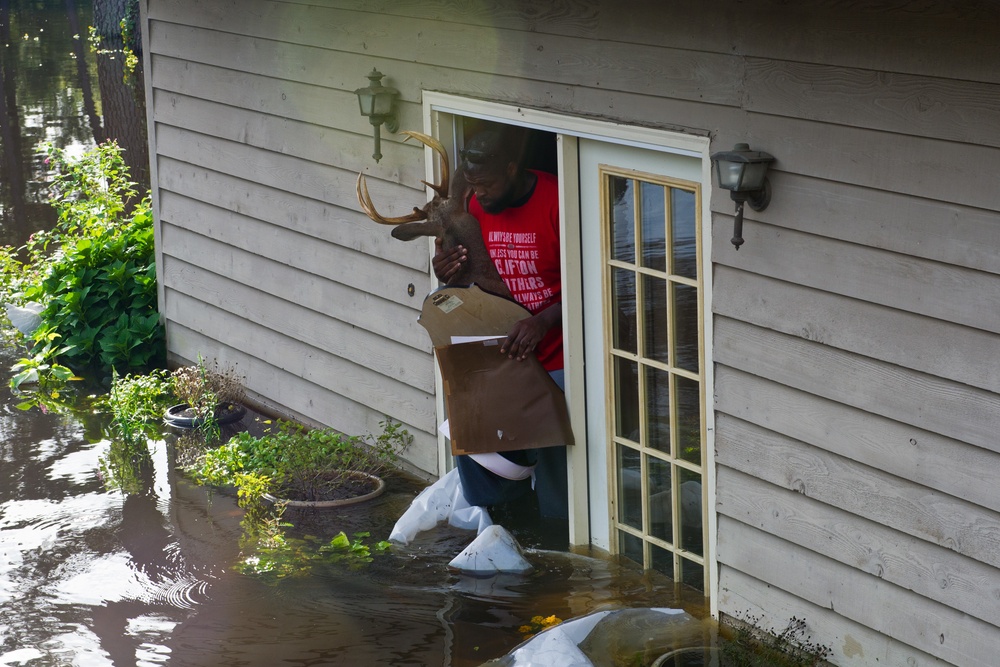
column 518, row 213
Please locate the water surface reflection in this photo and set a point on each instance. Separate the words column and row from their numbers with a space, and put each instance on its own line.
column 93, row 577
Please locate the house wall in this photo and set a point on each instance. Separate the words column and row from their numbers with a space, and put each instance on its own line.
column 855, row 332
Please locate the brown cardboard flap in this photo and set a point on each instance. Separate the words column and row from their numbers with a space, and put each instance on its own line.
column 468, row 311
column 496, row 404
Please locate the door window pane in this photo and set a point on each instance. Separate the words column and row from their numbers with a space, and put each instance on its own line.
column 683, row 225
column 622, row 219
column 688, row 419
column 653, row 223
column 657, row 409
column 685, row 323
column 691, row 511
column 661, row 519
column 626, row 399
column 654, row 313
column 623, row 298
column 629, row 487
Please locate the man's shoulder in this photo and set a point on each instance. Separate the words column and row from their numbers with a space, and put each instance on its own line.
column 546, row 180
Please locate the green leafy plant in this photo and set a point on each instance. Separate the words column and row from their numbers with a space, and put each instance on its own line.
column 277, row 556
column 750, row 645
column 301, row 464
column 137, row 402
column 93, row 274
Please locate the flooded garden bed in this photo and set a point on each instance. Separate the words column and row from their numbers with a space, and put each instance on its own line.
column 95, row 576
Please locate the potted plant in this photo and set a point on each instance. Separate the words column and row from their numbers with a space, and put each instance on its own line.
column 294, row 465
column 210, row 397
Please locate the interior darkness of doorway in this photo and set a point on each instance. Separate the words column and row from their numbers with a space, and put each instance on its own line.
column 539, row 146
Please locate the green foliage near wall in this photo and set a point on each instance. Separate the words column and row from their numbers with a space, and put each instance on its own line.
column 93, row 274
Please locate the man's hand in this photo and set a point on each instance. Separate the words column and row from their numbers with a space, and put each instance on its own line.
column 447, row 263
column 526, row 334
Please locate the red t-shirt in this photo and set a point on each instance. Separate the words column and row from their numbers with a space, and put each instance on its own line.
column 523, row 242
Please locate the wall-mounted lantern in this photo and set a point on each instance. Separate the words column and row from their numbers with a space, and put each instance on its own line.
column 744, row 173
column 377, row 103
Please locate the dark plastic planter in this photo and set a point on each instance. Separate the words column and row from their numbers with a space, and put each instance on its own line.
column 180, row 415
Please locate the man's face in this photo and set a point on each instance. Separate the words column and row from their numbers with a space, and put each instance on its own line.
column 494, row 192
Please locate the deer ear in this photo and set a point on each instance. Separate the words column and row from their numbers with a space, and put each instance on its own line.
column 412, row 230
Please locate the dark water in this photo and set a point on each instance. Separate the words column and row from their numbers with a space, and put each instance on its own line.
column 57, row 89
column 93, row 577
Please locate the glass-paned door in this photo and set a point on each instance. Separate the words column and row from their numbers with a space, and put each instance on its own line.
column 648, row 311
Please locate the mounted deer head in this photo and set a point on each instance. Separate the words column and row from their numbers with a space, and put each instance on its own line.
column 445, row 217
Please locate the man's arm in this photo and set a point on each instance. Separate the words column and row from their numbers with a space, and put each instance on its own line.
column 526, row 334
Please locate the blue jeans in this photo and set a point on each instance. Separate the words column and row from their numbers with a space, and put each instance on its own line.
column 484, row 488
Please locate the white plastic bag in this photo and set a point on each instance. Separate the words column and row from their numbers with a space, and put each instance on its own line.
column 441, row 501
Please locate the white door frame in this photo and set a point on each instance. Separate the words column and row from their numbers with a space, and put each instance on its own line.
column 438, row 111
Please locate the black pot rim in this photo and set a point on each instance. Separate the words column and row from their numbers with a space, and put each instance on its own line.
column 172, row 417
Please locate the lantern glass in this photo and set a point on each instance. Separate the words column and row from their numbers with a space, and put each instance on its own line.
column 382, row 103
column 753, row 176
column 366, row 100
column 730, row 174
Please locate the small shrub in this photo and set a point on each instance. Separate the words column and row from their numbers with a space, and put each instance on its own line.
column 205, row 391
column 301, row 464
column 753, row 646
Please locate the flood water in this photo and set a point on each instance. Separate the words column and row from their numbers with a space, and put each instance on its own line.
column 94, row 577
column 90, row 576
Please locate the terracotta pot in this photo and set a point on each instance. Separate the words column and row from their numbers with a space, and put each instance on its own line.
column 181, row 416
column 380, row 487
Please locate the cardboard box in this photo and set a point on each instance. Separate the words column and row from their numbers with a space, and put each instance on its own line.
column 494, row 403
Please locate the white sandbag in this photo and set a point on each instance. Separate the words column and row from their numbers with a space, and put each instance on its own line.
column 441, row 501
column 495, row 550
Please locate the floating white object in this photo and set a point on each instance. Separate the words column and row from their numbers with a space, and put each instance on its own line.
column 495, row 550
column 25, row 318
column 608, row 637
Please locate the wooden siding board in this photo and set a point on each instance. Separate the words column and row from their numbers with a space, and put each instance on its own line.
column 912, row 564
column 948, row 233
column 897, row 448
column 316, row 365
column 932, row 346
column 331, row 185
column 929, row 515
column 953, row 37
column 696, row 75
column 349, row 267
column 868, row 274
column 939, row 38
column 956, row 110
column 854, row 644
column 929, row 403
column 319, row 330
column 932, row 168
column 310, row 403
column 924, row 624
column 355, row 307
column 255, row 123
column 207, row 195
column 941, row 406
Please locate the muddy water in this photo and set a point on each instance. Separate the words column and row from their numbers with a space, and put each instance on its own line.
column 93, row 577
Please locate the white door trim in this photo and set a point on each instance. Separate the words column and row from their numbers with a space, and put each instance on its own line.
column 437, row 107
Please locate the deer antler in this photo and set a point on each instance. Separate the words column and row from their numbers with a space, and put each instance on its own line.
column 368, row 207
column 364, row 198
column 437, row 147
